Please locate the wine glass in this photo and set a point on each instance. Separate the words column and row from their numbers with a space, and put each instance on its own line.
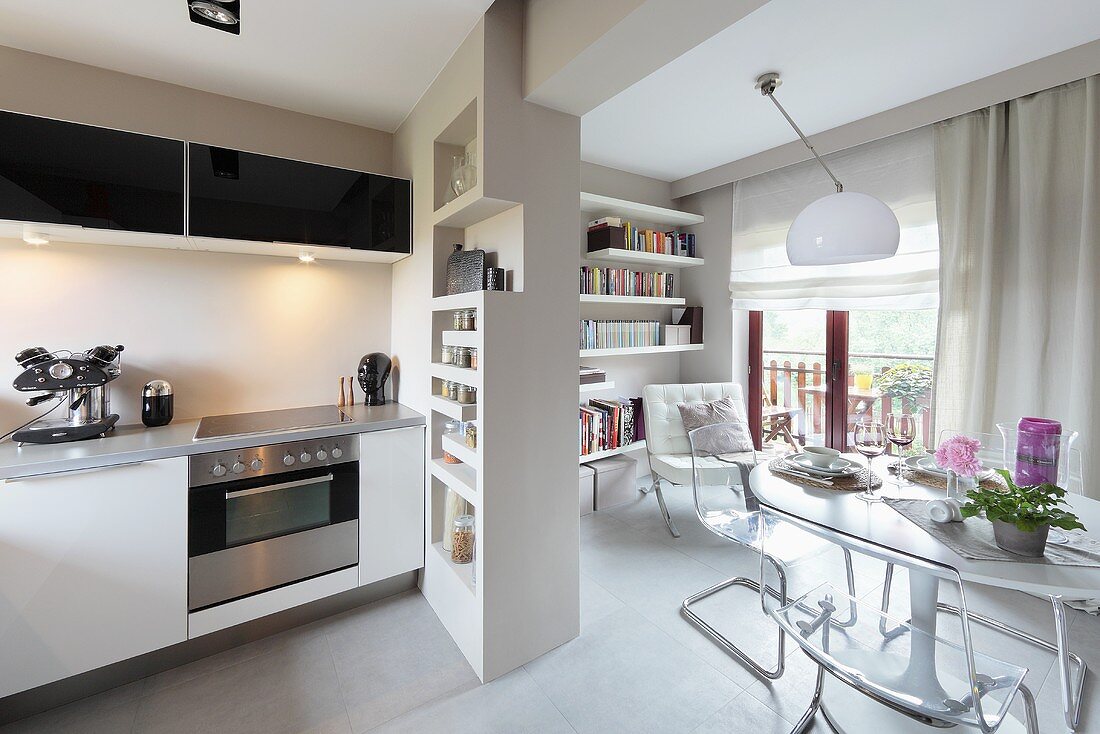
column 901, row 430
column 869, row 439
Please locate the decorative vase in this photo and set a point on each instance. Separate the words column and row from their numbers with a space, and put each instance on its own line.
column 952, row 484
column 1022, row 543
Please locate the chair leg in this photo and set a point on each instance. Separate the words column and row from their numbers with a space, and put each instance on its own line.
column 807, row 719
column 1072, row 684
column 646, row 490
column 889, row 634
column 780, row 595
column 664, row 509
column 1032, row 722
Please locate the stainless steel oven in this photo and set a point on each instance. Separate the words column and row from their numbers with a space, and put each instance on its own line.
column 267, row 516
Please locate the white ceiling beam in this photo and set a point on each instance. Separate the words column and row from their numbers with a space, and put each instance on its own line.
column 578, row 54
column 1061, row 68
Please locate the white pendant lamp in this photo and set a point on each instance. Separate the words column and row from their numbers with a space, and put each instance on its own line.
column 845, row 227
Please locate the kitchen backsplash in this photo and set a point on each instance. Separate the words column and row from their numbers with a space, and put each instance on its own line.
column 230, row 332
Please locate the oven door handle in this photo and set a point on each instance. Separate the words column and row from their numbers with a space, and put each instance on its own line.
column 234, row 494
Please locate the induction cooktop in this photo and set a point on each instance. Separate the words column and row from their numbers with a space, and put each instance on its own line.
column 269, row 421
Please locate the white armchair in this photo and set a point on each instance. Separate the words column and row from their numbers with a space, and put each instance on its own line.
column 666, row 439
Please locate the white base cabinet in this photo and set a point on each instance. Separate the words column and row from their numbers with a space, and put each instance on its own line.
column 93, row 569
column 391, row 503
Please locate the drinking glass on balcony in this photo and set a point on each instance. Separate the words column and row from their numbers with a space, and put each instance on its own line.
column 901, row 430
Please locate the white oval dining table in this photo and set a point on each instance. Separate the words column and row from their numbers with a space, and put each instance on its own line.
column 841, row 515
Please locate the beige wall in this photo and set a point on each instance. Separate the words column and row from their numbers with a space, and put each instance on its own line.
column 231, row 332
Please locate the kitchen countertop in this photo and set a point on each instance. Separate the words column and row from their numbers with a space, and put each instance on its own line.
column 134, row 443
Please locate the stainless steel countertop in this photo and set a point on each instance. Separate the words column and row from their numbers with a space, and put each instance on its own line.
column 133, row 443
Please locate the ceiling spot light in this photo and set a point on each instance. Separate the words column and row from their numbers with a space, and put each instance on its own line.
column 306, row 256
column 845, row 227
column 34, row 237
column 213, row 12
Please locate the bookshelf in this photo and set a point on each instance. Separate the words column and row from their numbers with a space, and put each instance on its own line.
column 630, row 351
column 598, row 386
column 595, row 456
column 640, row 300
column 642, row 259
column 598, row 206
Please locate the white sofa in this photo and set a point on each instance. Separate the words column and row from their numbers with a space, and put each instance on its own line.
column 666, row 439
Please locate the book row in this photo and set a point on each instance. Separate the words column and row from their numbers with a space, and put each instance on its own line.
column 620, row 333
column 624, row 282
column 618, row 233
column 608, row 424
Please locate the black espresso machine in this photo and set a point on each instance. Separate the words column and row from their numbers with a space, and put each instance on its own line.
column 78, row 379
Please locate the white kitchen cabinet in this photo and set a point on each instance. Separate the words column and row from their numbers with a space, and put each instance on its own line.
column 391, row 503
column 93, row 569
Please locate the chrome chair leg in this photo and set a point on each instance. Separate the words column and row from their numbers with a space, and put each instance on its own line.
column 807, row 719
column 887, row 582
column 1071, row 688
column 780, row 595
column 664, row 509
column 1032, row 720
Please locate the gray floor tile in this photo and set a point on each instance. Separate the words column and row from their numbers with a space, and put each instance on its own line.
column 744, row 714
column 110, row 712
column 289, row 691
column 623, row 674
column 393, row 656
column 512, row 704
column 596, row 602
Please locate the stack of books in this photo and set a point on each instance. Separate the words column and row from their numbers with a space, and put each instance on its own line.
column 592, row 375
column 625, row 282
column 617, row 334
column 606, row 424
column 614, row 232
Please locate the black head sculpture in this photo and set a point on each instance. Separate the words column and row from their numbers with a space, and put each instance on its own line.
column 374, row 370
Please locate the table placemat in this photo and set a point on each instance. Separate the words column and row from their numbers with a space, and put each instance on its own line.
column 931, row 480
column 973, row 539
column 853, row 483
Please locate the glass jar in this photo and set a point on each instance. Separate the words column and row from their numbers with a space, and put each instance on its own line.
column 445, row 389
column 453, row 506
column 462, row 539
column 473, row 357
column 458, row 320
column 447, row 354
column 462, row 357
column 471, row 435
column 466, row 395
column 469, row 319
column 452, row 427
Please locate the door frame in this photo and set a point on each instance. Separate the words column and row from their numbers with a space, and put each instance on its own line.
column 836, row 378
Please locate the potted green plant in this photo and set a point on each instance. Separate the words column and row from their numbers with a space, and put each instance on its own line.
column 1022, row 516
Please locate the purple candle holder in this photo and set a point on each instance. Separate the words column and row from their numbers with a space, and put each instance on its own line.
column 1038, row 441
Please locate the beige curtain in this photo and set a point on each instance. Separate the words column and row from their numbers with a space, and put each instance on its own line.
column 1018, row 198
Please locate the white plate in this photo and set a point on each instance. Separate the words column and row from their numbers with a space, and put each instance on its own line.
column 927, row 465
column 840, row 467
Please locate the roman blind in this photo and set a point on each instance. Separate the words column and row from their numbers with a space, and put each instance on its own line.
column 898, row 170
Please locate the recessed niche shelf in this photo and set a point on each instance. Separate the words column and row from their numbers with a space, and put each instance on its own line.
column 598, row 205
column 598, row 386
column 459, row 477
column 637, row 445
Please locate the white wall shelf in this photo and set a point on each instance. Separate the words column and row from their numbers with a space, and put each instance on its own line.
column 636, row 446
column 453, row 408
column 459, row 477
column 623, row 351
column 463, row 375
column 644, row 259
column 464, row 572
column 645, row 300
column 607, row 206
column 598, row 386
column 459, row 450
column 470, row 208
column 462, row 339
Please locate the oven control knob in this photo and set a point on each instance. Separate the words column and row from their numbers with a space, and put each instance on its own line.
column 337, row 452
column 218, row 470
column 238, row 466
column 322, row 454
column 305, row 458
column 288, row 460
column 257, row 464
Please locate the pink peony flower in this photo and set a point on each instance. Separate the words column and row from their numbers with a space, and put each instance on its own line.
column 960, row 455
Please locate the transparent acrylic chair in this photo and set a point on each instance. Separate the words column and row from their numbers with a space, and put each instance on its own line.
column 724, row 503
column 924, row 677
column 1071, row 667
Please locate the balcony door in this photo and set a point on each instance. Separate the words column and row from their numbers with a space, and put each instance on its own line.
column 813, row 374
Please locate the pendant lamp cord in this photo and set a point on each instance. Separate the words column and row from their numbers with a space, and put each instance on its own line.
column 767, row 88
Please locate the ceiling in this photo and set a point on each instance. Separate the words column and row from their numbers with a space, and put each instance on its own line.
column 840, row 61
column 361, row 61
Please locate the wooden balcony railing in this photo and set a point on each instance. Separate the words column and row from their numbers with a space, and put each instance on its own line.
column 801, row 386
